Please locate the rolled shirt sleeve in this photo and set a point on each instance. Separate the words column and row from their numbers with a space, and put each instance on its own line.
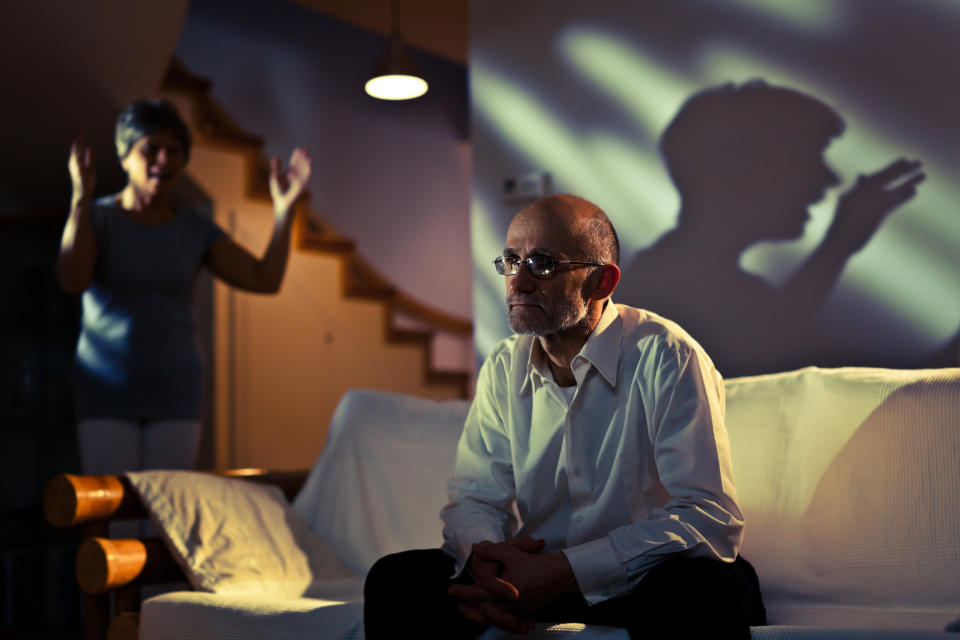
column 481, row 489
column 684, row 415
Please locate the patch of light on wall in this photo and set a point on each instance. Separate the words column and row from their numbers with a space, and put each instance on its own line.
column 646, row 203
column 911, row 282
column 489, row 309
column 929, row 219
column 818, row 14
column 647, row 89
column 911, row 265
column 533, row 131
column 629, row 181
column 897, row 268
column 724, row 62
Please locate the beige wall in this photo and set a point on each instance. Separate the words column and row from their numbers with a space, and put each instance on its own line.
column 281, row 362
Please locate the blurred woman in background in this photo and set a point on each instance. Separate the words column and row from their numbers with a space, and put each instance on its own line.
column 135, row 257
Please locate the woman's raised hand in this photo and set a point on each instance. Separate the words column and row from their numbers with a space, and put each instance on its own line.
column 286, row 187
column 82, row 173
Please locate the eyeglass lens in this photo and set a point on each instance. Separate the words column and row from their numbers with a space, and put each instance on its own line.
column 538, row 265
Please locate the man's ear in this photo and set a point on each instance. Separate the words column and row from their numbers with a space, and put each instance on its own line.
column 606, row 279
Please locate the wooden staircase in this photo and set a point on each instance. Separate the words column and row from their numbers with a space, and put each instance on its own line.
column 281, row 362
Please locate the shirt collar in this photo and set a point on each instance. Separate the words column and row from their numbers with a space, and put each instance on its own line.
column 602, row 349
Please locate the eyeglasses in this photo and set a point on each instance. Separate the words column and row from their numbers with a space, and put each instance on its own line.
column 539, row 266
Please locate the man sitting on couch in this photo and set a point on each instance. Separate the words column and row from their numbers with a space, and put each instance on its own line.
column 601, row 427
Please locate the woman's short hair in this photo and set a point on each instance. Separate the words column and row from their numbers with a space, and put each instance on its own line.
column 146, row 117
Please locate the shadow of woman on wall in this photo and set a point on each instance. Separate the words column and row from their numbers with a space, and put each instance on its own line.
column 748, row 162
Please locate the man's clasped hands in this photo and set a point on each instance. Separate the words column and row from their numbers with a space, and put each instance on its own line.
column 511, row 579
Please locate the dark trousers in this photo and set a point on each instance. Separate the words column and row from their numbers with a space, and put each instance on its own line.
column 680, row 597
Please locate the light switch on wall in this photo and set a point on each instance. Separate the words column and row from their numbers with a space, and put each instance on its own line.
column 526, row 187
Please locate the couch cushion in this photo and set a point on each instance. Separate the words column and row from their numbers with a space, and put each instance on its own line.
column 803, row 632
column 381, row 481
column 832, row 616
column 189, row 615
column 186, row 615
column 234, row 536
column 849, row 483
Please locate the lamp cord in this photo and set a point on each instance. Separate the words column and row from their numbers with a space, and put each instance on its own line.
column 394, row 18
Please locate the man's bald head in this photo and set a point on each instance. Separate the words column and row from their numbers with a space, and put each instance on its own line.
column 567, row 302
column 583, row 224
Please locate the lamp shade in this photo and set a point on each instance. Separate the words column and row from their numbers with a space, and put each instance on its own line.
column 396, row 77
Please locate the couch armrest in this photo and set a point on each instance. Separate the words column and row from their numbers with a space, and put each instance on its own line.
column 70, row 500
column 114, row 569
column 104, row 564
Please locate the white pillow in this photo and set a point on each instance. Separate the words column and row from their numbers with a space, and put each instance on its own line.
column 380, row 482
column 849, row 485
column 236, row 536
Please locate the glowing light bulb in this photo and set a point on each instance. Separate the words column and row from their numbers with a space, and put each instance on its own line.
column 396, row 86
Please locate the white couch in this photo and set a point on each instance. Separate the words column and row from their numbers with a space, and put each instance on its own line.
column 849, row 480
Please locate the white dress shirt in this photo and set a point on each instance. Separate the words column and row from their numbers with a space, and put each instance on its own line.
column 627, row 468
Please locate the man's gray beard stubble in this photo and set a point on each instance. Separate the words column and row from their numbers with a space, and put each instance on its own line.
column 568, row 315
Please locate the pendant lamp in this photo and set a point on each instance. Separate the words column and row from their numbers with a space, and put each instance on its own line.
column 396, row 77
